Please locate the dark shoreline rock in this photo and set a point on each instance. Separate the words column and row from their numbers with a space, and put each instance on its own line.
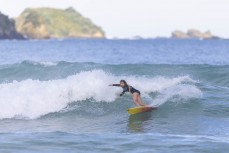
column 7, row 28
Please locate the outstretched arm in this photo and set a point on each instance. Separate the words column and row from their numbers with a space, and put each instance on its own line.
column 117, row 85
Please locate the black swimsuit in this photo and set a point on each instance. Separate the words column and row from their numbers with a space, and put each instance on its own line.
column 128, row 89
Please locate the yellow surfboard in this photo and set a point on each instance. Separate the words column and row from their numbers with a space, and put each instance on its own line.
column 140, row 109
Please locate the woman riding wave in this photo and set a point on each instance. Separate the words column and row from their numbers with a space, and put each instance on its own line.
column 136, row 93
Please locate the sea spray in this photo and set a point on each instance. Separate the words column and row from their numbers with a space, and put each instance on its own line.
column 178, row 93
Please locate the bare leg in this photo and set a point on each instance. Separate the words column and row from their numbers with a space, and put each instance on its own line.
column 135, row 99
column 140, row 100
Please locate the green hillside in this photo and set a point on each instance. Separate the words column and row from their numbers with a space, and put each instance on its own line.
column 42, row 23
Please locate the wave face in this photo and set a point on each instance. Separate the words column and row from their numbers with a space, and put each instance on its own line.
column 32, row 91
column 33, row 98
column 75, row 97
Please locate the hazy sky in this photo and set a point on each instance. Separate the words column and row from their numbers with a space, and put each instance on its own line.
column 147, row 18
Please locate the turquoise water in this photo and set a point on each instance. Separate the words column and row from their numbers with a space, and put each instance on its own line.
column 54, row 96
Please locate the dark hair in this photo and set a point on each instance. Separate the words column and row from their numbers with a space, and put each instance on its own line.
column 124, row 82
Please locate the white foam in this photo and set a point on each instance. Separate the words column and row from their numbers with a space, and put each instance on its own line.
column 43, row 63
column 46, row 64
column 182, row 87
column 34, row 98
column 178, row 93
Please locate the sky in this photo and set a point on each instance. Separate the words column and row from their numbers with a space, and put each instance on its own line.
column 146, row 18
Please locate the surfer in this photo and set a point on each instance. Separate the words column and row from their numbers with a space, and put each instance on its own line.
column 136, row 93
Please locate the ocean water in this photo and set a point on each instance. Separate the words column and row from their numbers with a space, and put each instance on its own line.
column 54, row 96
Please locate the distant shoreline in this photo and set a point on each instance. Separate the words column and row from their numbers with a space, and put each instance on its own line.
column 113, row 39
column 52, row 23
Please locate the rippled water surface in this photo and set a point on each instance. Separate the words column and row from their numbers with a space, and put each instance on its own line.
column 54, row 96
